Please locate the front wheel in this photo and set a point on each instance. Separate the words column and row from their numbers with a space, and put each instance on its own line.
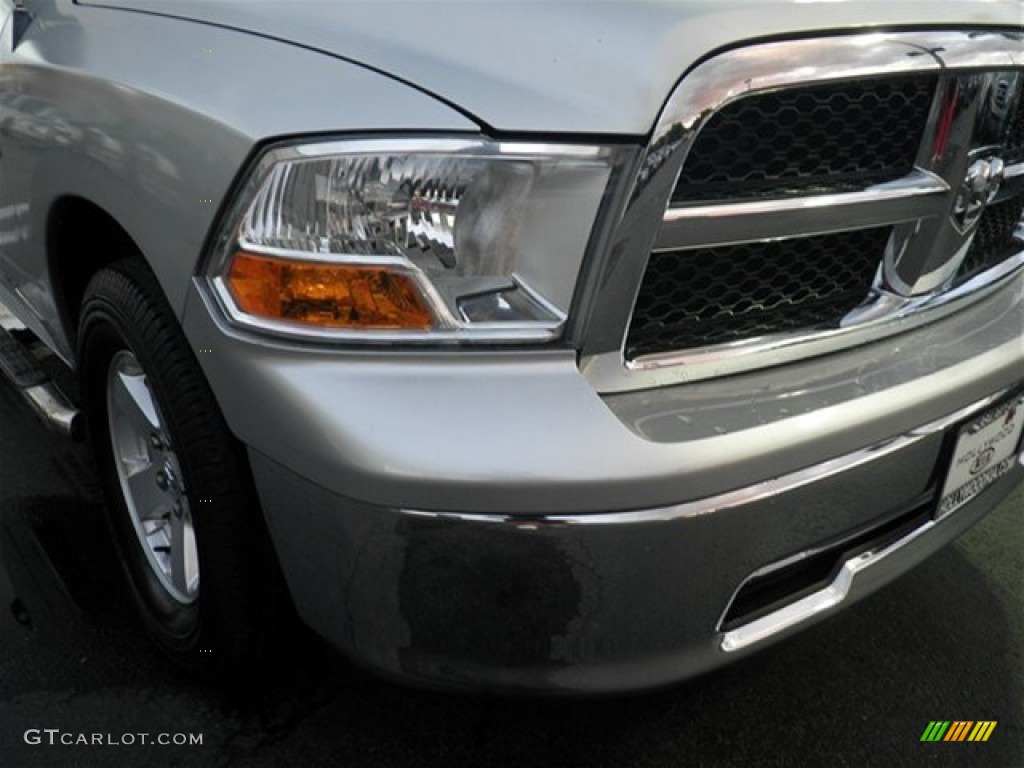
column 180, row 501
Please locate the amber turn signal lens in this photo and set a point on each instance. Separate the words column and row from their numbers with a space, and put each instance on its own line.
column 327, row 295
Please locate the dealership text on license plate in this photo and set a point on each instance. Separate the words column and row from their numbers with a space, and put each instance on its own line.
column 986, row 449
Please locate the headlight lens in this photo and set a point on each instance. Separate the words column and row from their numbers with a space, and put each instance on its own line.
column 415, row 240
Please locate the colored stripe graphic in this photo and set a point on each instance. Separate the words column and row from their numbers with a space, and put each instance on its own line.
column 935, row 730
column 982, row 730
column 958, row 730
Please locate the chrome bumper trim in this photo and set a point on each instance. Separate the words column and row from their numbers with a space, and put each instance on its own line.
column 731, row 499
column 807, row 607
column 839, row 589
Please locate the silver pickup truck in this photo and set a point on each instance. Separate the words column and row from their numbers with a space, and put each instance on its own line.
column 539, row 346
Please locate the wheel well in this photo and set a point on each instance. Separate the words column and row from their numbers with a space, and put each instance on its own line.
column 81, row 239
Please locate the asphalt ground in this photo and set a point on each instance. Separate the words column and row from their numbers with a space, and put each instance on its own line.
column 945, row 642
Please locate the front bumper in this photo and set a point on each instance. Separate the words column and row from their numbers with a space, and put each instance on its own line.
column 487, row 520
column 586, row 604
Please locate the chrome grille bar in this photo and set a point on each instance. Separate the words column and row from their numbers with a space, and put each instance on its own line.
column 919, row 195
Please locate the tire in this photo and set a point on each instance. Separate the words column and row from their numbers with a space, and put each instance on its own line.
column 181, row 506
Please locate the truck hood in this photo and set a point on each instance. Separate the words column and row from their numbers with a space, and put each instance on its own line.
column 552, row 66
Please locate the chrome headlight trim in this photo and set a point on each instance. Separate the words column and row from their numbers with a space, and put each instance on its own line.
column 594, row 168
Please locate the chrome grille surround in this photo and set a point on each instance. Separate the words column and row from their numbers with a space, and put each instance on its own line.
column 919, row 278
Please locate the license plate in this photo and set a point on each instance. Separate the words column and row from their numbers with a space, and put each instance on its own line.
column 986, row 449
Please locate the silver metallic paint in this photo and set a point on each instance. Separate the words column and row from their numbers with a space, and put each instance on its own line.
column 565, row 66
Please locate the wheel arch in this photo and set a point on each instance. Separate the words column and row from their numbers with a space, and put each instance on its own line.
column 82, row 238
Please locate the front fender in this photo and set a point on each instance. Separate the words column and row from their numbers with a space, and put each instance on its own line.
column 158, row 117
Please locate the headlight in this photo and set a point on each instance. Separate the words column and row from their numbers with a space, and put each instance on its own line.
column 411, row 240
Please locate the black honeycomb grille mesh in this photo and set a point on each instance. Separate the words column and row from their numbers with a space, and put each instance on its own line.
column 705, row 296
column 994, row 241
column 1015, row 139
column 819, row 138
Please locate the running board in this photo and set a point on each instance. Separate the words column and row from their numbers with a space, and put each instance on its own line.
column 23, row 370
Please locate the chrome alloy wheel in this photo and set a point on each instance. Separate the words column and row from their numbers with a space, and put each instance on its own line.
column 151, row 479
